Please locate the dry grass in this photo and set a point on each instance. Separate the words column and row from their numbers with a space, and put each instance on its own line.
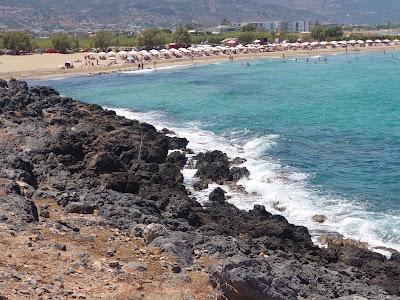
column 32, row 254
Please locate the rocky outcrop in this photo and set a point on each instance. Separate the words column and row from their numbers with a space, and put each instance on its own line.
column 278, row 276
column 89, row 161
column 215, row 166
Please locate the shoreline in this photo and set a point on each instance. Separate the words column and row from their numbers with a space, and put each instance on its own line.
column 39, row 70
column 319, row 234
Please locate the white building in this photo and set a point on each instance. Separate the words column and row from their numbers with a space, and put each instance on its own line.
column 298, row 26
column 283, row 26
column 274, row 26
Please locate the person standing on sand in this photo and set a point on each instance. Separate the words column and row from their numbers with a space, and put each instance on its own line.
column 155, row 64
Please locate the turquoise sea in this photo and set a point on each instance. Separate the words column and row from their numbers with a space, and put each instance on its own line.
column 318, row 138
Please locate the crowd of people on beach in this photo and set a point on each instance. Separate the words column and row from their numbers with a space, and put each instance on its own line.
column 190, row 53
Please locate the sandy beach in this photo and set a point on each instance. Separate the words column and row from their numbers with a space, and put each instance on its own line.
column 47, row 65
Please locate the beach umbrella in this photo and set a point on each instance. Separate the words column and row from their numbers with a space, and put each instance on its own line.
column 102, row 53
column 154, row 52
column 184, row 50
column 112, row 58
column 386, row 41
column 378, row 41
column 132, row 53
column 334, row 43
column 361, row 42
column 122, row 53
column 323, row 43
column 144, row 53
column 352, row 42
column 111, row 53
column 314, row 44
column 305, row 44
column 369, row 41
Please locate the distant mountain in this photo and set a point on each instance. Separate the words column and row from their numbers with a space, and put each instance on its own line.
column 70, row 14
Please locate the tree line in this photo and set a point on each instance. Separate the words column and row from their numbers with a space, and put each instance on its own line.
column 154, row 37
column 63, row 42
column 147, row 39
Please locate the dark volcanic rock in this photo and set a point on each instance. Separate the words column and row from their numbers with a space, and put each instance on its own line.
column 3, row 83
column 264, row 230
column 80, row 208
column 217, row 195
column 177, row 143
column 105, row 163
column 281, row 277
column 238, row 173
column 177, row 158
column 87, row 158
column 214, row 166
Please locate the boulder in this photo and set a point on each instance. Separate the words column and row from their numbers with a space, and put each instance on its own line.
column 213, row 166
column 80, row 208
column 103, row 163
column 177, row 143
column 134, row 266
column 319, row 218
column 217, row 195
column 177, row 158
column 153, row 231
column 238, row 173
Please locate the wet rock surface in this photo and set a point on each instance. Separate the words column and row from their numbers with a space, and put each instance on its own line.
column 124, row 174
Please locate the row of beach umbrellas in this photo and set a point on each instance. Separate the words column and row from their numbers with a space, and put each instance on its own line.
column 208, row 49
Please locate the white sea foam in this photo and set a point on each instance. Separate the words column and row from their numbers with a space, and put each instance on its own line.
column 146, row 71
column 281, row 188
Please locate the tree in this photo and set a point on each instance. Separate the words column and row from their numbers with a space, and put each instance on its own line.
column 249, row 27
column 102, row 39
column 75, row 43
column 246, row 37
column 151, row 38
column 318, row 33
column 192, row 26
column 182, row 36
column 61, row 41
column 225, row 22
column 17, row 41
column 321, row 33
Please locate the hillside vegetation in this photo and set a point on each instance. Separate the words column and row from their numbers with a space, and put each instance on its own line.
column 73, row 13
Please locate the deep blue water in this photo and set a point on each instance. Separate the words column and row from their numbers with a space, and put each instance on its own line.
column 338, row 123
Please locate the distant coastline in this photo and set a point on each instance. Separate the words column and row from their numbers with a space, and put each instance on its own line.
column 45, row 66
